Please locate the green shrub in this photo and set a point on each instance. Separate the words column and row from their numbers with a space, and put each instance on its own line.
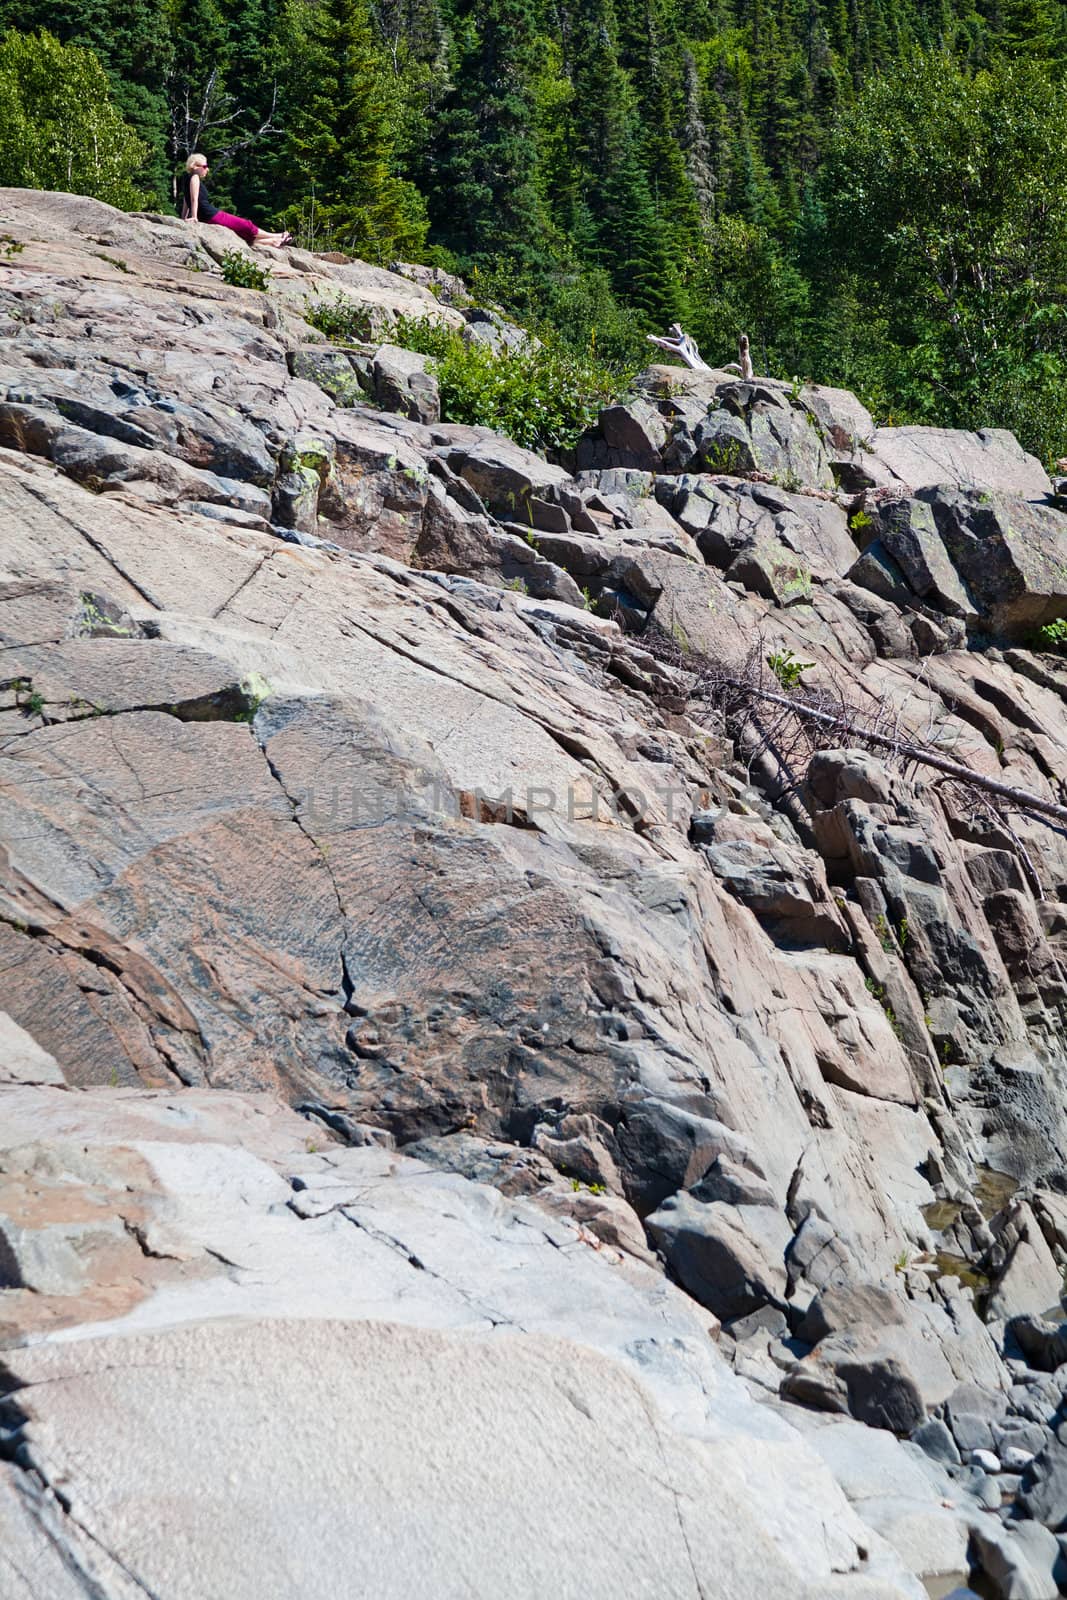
column 542, row 396
column 342, row 320
column 788, row 669
column 1052, row 637
column 242, row 272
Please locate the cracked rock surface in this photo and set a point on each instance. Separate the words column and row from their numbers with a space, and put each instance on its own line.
column 413, row 997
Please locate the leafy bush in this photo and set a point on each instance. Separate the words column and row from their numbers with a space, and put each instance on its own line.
column 242, row 272
column 342, row 320
column 1052, row 637
column 58, row 127
column 788, row 669
column 543, row 397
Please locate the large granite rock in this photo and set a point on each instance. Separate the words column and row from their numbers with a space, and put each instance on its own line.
column 290, row 1307
column 996, row 562
column 301, row 792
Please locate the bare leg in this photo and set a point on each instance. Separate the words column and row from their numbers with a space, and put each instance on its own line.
column 273, row 240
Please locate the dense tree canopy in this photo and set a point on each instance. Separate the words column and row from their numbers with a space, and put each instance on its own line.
column 872, row 189
column 58, row 128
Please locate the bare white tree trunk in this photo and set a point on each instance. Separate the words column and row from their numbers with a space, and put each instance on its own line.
column 681, row 345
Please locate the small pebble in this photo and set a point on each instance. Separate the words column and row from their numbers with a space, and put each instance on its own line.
column 986, row 1460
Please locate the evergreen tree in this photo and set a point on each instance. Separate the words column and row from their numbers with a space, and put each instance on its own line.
column 339, row 152
column 486, row 203
column 621, row 227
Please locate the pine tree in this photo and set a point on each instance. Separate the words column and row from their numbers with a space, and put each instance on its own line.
column 339, row 154
column 623, row 231
column 486, row 202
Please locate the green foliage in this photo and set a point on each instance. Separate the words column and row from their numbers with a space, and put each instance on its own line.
column 58, row 127
column 876, row 193
column 29, row 700
column 340, row 147
column 788, row 669
column 242, row 272
column 1052, row 637
column 342, row 320
column 485, row 199
column 945, row 195
column 542, row 397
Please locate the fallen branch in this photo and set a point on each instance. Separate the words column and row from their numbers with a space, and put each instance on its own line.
column 681, row 345
column 840, row 725
column 1021, row 799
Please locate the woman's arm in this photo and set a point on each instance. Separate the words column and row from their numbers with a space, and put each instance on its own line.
column 194, row 196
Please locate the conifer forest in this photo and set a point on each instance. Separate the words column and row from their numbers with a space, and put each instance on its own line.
column 874, row 190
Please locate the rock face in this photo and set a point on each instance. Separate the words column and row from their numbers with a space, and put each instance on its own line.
column 341, row 770
column 349, row 1331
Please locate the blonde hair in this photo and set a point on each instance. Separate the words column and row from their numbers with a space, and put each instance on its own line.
column 194, row 159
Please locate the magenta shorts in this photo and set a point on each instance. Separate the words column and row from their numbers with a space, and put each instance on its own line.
column 246, row 230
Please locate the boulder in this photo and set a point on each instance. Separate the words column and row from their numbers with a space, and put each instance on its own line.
column 405, row 381
column 345, row 375
column 991, row 459
column 453, row 539
column 1027, row 1278
column 1010, row 552
column 1021, row 1560
column 729, row 1257
column 836, row 1310
column 509, row 480
column 1044, row 1488
column 757, row 427
column 1043, row 1345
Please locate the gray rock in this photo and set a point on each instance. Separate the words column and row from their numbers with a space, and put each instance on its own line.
column 970, row 1432
column 1009, row 552
column 1015, row 1434
column 341, row 374
column 504, row 476
column 768, row 1320
column 1019, row 1559
column 844, row 1374
column 990, row 460
column 1044, row 1491
column 21, row 1058
column 666, row 1148
column 729, row 1257
column 934, row 1438
column 909, row 533
column 836, row 1310
column 405, row 381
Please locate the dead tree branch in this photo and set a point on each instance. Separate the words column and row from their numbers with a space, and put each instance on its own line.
column 803, row 721
column 683, row 346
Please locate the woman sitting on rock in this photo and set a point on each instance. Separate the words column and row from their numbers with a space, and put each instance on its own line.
column 196, row 207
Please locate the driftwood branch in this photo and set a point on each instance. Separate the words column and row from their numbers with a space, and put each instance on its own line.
column 683, row 346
